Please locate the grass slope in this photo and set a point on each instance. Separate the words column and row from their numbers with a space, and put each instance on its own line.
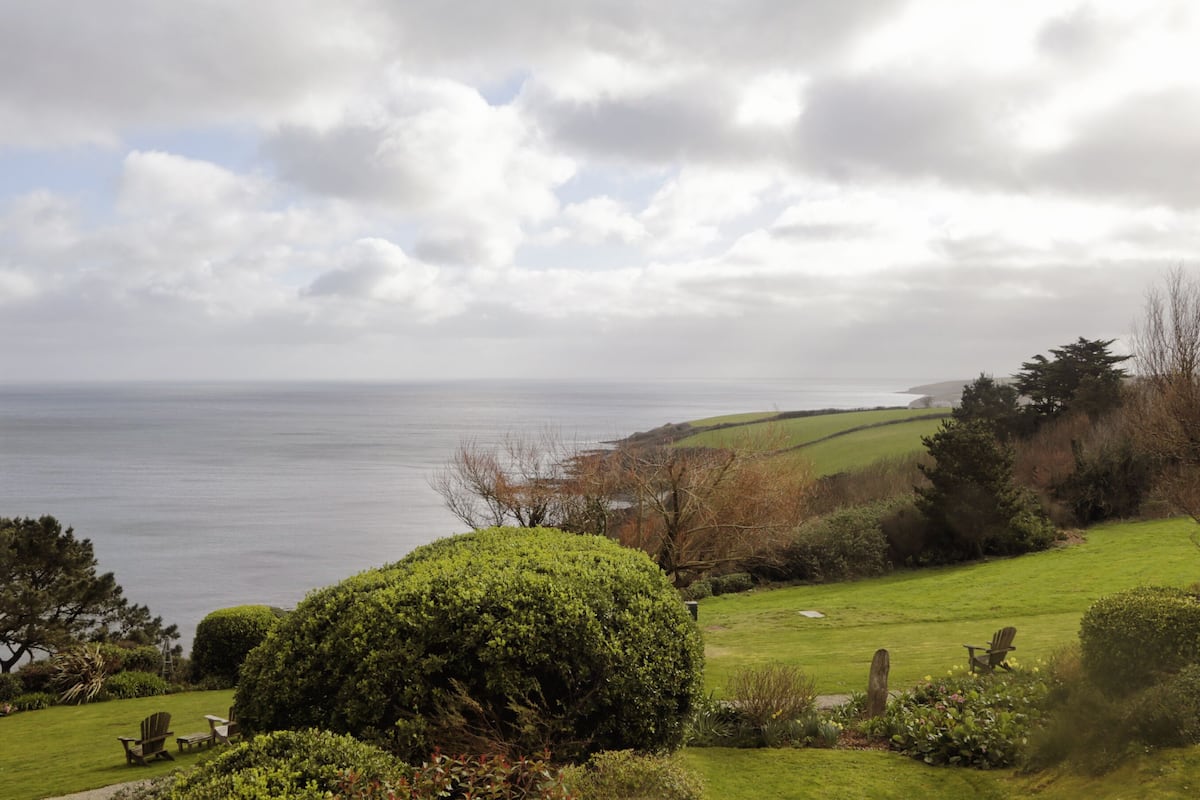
column 797, row 431
column 857, row 449
column 68, row 749
column 923, row 617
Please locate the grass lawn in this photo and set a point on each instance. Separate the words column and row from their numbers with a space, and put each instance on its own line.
column 68, row 749
column 826, row 774
column 802, row 430
column 923, row 617
column 857, row 449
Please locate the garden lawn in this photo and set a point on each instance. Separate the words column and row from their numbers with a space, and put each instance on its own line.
column 66, row 749
column 794, row 774
column 923, row 617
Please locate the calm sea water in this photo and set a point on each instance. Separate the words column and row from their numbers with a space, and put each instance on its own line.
column 203, row 496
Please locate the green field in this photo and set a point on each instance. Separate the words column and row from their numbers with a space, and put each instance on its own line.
column 67, row 749
column 827, row 443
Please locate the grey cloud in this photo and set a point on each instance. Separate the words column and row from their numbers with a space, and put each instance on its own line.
column 357, row 281
column 875, row 125
column 1145, row 148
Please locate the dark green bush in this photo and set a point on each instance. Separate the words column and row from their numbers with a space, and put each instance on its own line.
column 844, row 544
column 32, row 701
column 625, row 775
column 1168, row 714
column 223, row 639
column 10, row 686
column 1132, row 639
column 141, row 658
column 497, row 641
column 732, row 583
column 697, row 590
column 38, row 676
column 126, row 685
column 299, row 765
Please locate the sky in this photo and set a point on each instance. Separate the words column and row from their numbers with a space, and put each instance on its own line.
column 429, row 189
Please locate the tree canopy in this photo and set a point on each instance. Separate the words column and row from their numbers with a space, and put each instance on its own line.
column 1082, row 376
column 51, row 595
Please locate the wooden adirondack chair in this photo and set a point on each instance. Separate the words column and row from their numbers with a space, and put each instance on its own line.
column 223, row 729
column 995, row 654
column 153, row 742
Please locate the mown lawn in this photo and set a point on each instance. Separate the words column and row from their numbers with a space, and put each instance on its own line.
column 66, row 749
column 923, row 617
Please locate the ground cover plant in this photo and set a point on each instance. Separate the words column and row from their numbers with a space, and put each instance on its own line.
column 507, row 640
column 923, row 617
column 67, row 749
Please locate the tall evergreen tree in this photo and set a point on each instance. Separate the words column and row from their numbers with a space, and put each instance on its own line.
column 1082, row 376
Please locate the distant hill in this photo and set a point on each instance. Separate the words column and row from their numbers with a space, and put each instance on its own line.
column 944, row 394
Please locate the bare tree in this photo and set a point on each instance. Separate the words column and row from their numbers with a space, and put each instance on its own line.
column 1167, row 352
column 519, row 481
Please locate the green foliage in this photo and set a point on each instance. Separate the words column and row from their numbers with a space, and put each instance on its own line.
column 625, row 775
column 844, row 544
column 1168, row 713
column 697, row 590
column 131, row 683
column 487, row 776
column 37, row 676
column 969, row 720
column 771, row 692
column 80, row 673
column 10, row 686
column 32, row 701
column 732, row 582
column 300, row 765
column 1083, row 376
column 138, row 658
column 224, row 637
column 51, row 595
column 1130, row 639
column 972, row 503
column 1110, row 481
column 994, row 404
column 503, row 640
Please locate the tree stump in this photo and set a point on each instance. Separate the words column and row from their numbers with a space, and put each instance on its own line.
column 877, row 691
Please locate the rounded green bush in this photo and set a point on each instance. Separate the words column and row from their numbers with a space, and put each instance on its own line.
column 142, row 658
column 502, row 639
column 130, row 684
column 225, row 636
column 300, row 765
column 10, row 686
column 1129, row 640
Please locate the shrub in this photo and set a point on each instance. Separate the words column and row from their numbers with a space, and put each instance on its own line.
column 141, row 658
column 1168, row 714
column 909, row 534
column 37, row 676
column 301, row 765
column 625, row 775
column 697, row 590
column 1130, row 639
column 503, row 640
column 847, row 543
column 771, row 692
column 732, row 583
column 488, row 776
column 32, row 701
column 80, row 673
column 965, row 719
column 10, row 686
column 224, row 637
column 127, row 685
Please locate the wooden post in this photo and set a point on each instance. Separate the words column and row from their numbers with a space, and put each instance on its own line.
column 877, row 691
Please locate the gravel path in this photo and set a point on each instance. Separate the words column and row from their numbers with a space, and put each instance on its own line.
column 103, row 793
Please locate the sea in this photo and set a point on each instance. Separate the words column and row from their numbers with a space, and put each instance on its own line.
column 200, row 496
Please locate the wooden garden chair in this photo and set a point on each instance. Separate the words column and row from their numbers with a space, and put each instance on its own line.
column 223, row 729
column 992, row 655
column 153, row 741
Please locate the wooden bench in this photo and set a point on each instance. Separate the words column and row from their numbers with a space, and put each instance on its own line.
column 204, row 739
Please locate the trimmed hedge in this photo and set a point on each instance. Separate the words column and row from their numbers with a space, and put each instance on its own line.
column 225, row 637
column 300, row 765
column 1129, row 640
column 499, row 640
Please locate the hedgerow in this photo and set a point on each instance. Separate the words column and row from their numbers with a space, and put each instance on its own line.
column 501, row 641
